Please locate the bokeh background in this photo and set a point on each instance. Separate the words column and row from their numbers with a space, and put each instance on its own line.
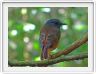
column 24, row 26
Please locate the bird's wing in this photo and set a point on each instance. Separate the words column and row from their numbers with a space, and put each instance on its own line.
column 49, row 38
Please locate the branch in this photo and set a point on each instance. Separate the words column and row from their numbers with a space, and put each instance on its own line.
column 72, row 47
column 54, row 58
column 48, row 62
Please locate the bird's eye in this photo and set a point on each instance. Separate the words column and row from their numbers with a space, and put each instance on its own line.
column 56, row 22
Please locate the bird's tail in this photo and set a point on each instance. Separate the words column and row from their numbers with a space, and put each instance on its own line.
column 44, row 54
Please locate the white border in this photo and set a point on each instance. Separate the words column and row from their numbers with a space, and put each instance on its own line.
column 94, row 37
column 50, row 73
column 48, row 0
column 48, row 69
column 0, row 36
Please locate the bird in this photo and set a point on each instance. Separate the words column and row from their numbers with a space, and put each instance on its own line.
column 49, row 37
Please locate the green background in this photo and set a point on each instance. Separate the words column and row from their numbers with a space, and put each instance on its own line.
column 24, row 26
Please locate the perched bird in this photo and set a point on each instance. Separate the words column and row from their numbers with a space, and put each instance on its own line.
column 49, row 37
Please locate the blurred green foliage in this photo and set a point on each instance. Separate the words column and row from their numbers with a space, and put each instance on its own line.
column 24, row 25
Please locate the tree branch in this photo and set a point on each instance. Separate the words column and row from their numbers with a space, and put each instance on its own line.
column 72, row 47
column 48, row 62
column 54, row 58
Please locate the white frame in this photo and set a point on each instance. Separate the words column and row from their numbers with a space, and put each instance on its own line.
column 94, row 37
column 48, row 0
column 50, row 73
column 5, row 67
column 0, row 37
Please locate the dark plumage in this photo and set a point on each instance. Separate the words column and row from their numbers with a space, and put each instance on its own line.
column 49, row 37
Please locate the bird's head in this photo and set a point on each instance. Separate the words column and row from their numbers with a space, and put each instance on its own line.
column 54, row 22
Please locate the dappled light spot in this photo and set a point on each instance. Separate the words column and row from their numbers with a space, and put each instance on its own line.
column 46, row 10
column 26, row 39
column 12, row 45
column 37, row 59
column 61, row 11
column 28, row 27
column 79, row 27
column 29, row 46
column 23, row 11
column 34, row 12
column 14, row 32
column 64, row 27
column 73, row 16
